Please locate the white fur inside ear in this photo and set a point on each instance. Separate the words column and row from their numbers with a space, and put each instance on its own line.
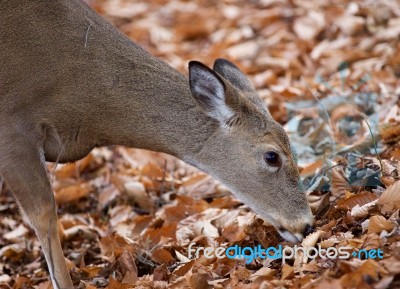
column 209, row 92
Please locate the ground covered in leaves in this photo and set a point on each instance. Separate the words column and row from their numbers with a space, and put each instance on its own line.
column 328, row 71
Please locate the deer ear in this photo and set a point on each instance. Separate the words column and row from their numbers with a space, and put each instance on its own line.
column 232, row 73
column 208, row 90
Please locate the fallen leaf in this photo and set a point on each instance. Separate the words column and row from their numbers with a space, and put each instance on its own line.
column 391, row 197
column 358, row 199
column 377, row 224
column 162, row 256
column 16, row 234
column 362, row 211
column 72, row 193
column 339, row 183
column 287, row 271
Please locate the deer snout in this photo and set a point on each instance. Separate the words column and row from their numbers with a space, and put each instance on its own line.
column 295, row 232
column 308, row 230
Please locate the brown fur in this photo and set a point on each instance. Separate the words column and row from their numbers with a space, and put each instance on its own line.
column 69, row 81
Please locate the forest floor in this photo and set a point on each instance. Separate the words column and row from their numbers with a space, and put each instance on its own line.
column 329, row 71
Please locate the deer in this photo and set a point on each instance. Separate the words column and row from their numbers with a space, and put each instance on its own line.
column 70, row 82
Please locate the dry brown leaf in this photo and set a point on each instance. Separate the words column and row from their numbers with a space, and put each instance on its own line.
column 225, row 203
column 362, row 211
column 319, row 203
column 350, row 24
column 358, row 278
column 387, row 181
column 198, row 28
column 137, row 192
column 358, row 199
column 377, row 224
column 262, row 272
column 113, row 246
column 391, row 197
column 198, row 281
column 16, row 234
column 73, row 170
column 312, row 169
column 391, row 264
column 48, row 285
column 21, row 282
column 312, row 266
column 199, row 184
column 127, row 264
column 12, row 252
column 390, row 132
column 234, row 233
column 5, row 278
column 327, row 243
column 328, row 283
column 161, row 256
column 205, row 228
column 178, row 283
column 185, row 206
column 108, row 195
column 339, row 182
column 198, row 225
column 129, row 278
column 244, row 50
column 227, row 218
column 311, row 239
column 240, row 273
column 308, row 242
column 153, row 171
column 91, row 271
column 140, row 222
column 310, row 26
column 72, row 193
column 120, row 214
column 114, row 284
column 395, row 154
column 83, row 231
column 287, row 271
column 184, row 269
column 182, row 258
column 373, row 241
column 161, row 273
column 154, row 235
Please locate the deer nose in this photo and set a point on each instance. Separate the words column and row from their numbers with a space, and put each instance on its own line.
column 308, row 230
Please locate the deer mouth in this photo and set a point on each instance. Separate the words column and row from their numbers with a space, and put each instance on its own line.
column 290, row 237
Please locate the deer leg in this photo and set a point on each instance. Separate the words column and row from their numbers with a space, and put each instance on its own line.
column 22, row 167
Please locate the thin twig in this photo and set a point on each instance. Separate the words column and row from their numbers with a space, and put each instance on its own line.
column 365, row 117
column 322, row 171
column 325, row 111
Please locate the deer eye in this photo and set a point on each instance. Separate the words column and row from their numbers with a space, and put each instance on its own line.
column 272, row 158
